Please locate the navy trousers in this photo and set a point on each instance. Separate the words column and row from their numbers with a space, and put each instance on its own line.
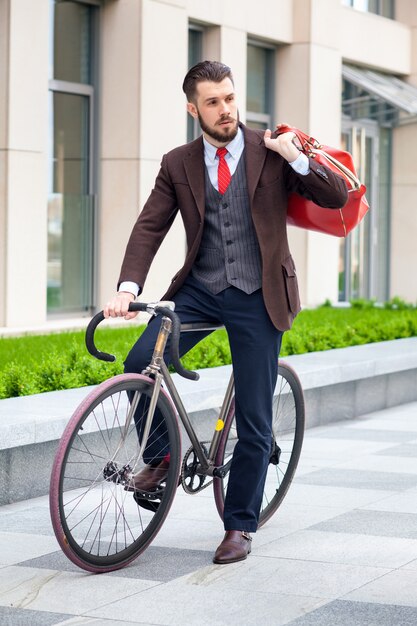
column 255, row 345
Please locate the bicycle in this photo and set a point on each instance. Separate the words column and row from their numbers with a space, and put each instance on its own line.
column 100, row 521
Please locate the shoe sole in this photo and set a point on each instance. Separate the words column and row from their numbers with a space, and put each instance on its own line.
column 229, row 561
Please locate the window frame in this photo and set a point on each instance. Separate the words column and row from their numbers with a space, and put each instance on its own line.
column 193, row 126
column 91, row 91
column 266, row 116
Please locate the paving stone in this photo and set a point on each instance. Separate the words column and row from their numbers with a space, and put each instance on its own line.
column 156, row 563
column 394, row 588
column 35, row 519
column 63, row 592
column 335, row 477
column 365, row 522
column 342, row 612
column 405, row 502
column 368, row 434
column 405, row 449
column 348, row 548
column 10, row 616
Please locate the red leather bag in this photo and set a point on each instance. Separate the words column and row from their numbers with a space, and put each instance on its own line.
column 305, row 213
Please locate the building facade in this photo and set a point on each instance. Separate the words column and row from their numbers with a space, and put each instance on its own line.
column 90, row 100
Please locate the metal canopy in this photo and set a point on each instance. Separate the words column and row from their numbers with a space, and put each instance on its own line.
column 392, row 90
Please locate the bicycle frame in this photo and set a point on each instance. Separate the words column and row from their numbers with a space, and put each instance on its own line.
column 158, row 370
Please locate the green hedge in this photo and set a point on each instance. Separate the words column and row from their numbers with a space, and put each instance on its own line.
column 34, row 364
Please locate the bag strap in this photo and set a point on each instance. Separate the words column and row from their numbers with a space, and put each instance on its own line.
column 311, row 147
column 307, row 142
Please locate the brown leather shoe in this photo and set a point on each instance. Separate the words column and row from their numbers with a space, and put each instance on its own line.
column 235, row 546
column 149, row 478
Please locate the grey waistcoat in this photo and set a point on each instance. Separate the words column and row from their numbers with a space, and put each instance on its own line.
column 229, row 251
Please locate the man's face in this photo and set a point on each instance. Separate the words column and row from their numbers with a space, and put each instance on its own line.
column 216, row 110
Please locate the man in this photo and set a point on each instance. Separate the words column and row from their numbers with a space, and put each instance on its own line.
column 231, row 187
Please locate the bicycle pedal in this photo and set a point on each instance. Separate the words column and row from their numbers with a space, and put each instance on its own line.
column 150, row 505
column 149, row 495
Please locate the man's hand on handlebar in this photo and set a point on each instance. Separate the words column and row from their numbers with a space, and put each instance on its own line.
column 119, row 305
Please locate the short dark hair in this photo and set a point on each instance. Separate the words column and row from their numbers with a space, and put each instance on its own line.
column 213, row 71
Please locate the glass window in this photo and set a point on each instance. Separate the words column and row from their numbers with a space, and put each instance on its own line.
column 260, row 86
column 357, row 103
column 195, row 55
column 364, row 254
column 380, row 7
column 72, row 42
column 71, row 190
column 70, row 158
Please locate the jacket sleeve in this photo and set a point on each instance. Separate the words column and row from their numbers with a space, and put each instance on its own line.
column 150, row 229
column 321, row 185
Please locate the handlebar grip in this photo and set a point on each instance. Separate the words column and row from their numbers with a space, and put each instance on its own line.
column 91, row 328
column 89, row 339
column 142, row 306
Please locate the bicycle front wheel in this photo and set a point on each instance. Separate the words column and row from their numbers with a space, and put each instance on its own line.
column 287, row 437
column 99, row 523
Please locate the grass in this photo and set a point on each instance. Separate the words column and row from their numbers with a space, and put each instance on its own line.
column 35, row 364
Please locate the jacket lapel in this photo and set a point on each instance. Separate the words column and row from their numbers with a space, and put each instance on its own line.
column 194, row 170
column 255, row 157
column 255, row 152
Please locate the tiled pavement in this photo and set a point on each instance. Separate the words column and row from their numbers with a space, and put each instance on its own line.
column 341, row 551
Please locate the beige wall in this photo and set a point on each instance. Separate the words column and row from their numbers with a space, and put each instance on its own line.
column 308, row 96
column 24, row 145
column 404, row 190
column 4, row 92
column 119, row 141
column 273, row 21
column 406, row 12
column 404, row 214
column 381, row 43
column 143, row 116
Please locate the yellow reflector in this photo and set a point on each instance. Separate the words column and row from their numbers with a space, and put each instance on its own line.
column 219, row 425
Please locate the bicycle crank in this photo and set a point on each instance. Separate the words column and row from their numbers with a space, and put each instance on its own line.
column 193, row 482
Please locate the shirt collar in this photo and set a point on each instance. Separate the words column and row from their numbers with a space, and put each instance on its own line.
column 234, row 148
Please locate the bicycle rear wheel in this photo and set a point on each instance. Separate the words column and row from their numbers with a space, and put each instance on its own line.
column 99, row 524
column 287, row 438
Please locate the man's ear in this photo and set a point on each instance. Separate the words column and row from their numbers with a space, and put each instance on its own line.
column 192, row 110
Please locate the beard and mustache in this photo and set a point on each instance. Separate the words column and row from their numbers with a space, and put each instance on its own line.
column 222, row 135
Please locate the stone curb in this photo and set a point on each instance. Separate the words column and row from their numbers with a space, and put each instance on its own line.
column 338, row 384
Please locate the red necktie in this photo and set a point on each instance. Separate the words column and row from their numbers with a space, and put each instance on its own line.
column 223, row 172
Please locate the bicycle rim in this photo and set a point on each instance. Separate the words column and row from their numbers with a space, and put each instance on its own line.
column 288, row 431
column 98, row 523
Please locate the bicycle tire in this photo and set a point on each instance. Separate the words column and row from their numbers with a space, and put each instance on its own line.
column 97, row 522
column 288, row 432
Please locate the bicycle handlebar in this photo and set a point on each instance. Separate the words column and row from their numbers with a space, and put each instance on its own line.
column 149, row 308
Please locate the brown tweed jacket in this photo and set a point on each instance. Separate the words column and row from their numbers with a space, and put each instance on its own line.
column 179, row 186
